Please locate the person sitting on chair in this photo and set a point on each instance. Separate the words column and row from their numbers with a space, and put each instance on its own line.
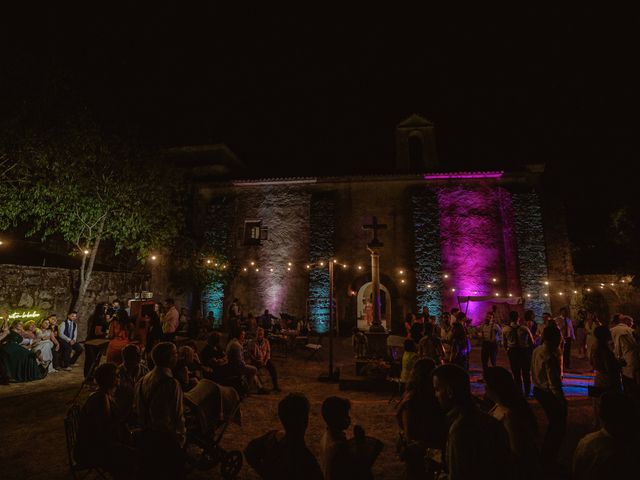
column 237, row 366
column 261, row 357
column 100, row 428
column 213, row 356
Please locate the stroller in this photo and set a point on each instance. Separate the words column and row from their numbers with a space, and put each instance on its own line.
column 209, row 408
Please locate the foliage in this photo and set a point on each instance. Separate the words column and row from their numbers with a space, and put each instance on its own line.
column 74, row 181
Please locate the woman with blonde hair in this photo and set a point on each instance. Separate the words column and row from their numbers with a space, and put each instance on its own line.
column 45, row 343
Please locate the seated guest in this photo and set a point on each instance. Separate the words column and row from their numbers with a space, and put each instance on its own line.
column 188, row 354
column 26, row 339
column 129, row 373
column 158, row 404
column 422, row 422
column 181, row 374
column 213, row 355
column 477, row 445
column 261, row 357
column 611, row 452
column 120, row 331
column 46, row 344
column 19, row 363
column 236, row 365
column 30, row 331
column 514, row 413
column 68, row 339
column 99, row 433
column 57, row 352
column 284, row 455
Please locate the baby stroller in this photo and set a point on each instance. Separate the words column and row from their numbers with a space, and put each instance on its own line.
column 209, row 408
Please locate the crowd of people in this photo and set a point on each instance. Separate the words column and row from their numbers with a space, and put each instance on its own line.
column 538, row 355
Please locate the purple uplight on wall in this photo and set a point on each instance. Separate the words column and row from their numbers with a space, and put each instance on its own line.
column 472, row 245
column 462, row 175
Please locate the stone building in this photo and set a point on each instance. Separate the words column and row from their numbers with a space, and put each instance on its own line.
column 453, row 239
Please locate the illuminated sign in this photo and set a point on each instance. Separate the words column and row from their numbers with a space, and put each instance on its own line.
column 25, row 315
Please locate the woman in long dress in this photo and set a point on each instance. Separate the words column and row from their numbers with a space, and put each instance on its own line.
column 20, row 363
column 45, row 343
column 119, row 337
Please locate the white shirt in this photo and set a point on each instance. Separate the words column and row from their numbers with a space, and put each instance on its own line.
column 545, row 370
column 73, row 330
column 625, row 347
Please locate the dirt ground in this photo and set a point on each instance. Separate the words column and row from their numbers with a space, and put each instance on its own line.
column 32, row 440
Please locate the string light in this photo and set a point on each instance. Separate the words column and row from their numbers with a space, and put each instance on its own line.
column 335, row 261
column 511, row 295
column 494, row 280
column 429, row 285
column 611, row 284
column 344, row 265
column 271, row 269
column 288, row 269
column 546, row 294
column 588, row 289
column 359, row 267
column 208, row 261
column 528, row 295
column 402, row 280
column 575, row 291
column 497, row 294
column 446, row 276
column 244, row 269
column 560, row 293
column 257, row 269
column 453, row 289
column 252, row 263
column 308, row 267
column 289, row 264
column 401, row 272
column 546, row 282
column 86, row 252
column 322, row 264
column 224, row 266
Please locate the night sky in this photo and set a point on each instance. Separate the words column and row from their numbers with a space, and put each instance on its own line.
column 319, row 90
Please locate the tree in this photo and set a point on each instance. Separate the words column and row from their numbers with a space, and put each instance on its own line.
column 77, row 182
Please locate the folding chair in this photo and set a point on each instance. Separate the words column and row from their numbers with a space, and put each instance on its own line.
column 71, row 426
column 314, row 348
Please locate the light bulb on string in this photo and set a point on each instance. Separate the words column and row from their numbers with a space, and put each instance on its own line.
column 497, row 294
column 402, row 280
column 428, row 285
column 257, row 269
column 446, row 275
column 546, row 282
column 575, row 292
column 588, row 289
column 453, row 289
column 560, row 293
column 494, row 280
column 322, row 264
column 86, row 252
column 359, row 267
column 546, row 294
column 528, row 295
column 510, row 294
column 289, row 264
column 288, row 269
column 208, row 261
column 244, row 269
column 252, row 263
column 308, row 267
column 401, row 272
column 271, row 269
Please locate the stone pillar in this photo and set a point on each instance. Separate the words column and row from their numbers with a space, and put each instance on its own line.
column 375, row 280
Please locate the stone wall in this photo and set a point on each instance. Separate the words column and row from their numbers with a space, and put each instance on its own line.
column 50, row 289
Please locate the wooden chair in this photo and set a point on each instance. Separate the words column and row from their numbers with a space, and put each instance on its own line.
column 314, row 349
column 71, row 426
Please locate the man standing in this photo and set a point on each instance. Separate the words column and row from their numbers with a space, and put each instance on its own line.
column 566, row 329
column 159, row 405
column 519, row 343
column 491, row 334
column 171, row 321
column 477, row 445
column 68, row 339
column 547, row 390
column 625, row 348
column 261, row 357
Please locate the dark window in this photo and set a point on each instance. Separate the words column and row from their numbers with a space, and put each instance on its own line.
column 253, row 232
column 416, row 155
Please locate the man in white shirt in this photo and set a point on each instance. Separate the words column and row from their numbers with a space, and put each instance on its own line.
column 68, row 339
column 519, row 342
column 625, row 348
column 171, row 320
column 491, row 334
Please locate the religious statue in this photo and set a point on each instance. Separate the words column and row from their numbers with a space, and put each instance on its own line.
column 359, row 342
column 368, row 311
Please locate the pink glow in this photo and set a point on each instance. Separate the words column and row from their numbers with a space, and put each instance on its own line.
column 447, row 176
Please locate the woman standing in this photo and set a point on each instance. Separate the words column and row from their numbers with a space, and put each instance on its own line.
column 422, row 422
column 512, row 410
column 607, row 368
column 460, row 347
column 120, row 330
column 590, row 325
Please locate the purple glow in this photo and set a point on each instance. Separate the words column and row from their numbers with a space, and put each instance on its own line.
column 447, row 176
column 473, row 246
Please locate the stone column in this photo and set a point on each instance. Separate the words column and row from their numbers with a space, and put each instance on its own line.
column 375, row 281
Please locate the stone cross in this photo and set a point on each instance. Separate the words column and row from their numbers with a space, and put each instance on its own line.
column 376, row 325
column 375, row 226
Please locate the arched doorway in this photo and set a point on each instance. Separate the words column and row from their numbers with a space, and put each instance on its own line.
column 365, row 294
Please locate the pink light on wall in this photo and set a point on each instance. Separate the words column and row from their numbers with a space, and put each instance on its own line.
column 461, row 175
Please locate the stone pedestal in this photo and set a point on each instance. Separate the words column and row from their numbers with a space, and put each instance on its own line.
column 377, row 344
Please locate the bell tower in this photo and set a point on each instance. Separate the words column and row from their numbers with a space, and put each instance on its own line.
column 416, row 145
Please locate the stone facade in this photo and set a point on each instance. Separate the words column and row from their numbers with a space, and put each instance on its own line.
column 467, row 227
column 50, row 289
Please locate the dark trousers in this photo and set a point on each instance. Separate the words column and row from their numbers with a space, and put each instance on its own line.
column 271, row 368
column 520, row 361
column 92, row 353
column 489, row 352
column 556, row 412
column 566, row 353
column 66, row 350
